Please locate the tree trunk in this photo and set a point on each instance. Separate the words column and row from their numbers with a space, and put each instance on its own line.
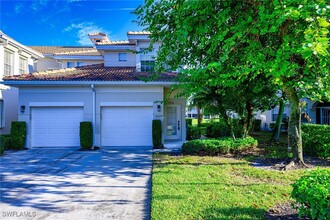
column 294, row 132
column 249, row 109
column 244, row 127
column 199, row 116
column 229, row 123
column 277, row 128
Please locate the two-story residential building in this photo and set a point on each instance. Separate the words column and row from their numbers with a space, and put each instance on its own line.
column 59, row 57
column 15, row 59
column 118, row 95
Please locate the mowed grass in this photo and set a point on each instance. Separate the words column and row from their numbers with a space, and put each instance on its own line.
column 191, row 187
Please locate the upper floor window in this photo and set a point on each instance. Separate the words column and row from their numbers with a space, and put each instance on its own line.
column 147, row 59
column 122, row 56
column 8, row 63
column 80, row 63
column 22, row 65
column 2, row 119
column 70, row 64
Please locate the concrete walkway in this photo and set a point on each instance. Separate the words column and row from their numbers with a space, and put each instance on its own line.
column 69, row 184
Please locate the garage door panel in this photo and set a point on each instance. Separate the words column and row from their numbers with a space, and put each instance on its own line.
column 127, row 126
column 56, row 126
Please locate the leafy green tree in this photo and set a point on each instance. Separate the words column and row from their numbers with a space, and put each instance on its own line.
column 285, row 40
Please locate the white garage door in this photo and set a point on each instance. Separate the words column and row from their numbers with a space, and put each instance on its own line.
column 126, row 126
column 56, row 126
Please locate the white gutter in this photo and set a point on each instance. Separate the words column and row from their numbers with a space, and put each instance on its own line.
column 114, row 47
column 72, row 83
column 93, row 112
column 75, row 57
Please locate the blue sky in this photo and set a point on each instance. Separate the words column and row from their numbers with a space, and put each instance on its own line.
column 66, row 22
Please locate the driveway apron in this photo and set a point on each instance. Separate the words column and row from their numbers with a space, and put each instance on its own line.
column 110, row 183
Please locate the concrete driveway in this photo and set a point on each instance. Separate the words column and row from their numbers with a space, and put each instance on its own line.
column 111, row 183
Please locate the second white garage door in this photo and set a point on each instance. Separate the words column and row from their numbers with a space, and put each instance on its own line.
column 56, row 126
column 126, row 126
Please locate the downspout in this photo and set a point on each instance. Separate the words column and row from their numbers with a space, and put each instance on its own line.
column 93, row 112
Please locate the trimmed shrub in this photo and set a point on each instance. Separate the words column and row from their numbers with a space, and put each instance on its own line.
column 188, row 121
column 194, row 132
column 220, row 129
column 257, row 124
column 18, row 135
column 5, row 141
column 316, row 140
column 272, row 126
column 86, row 135
column 312, row 193
column 217, row 130
column 214, row 147
column 157, row 133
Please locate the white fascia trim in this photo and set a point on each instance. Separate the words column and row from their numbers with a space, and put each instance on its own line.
column 125, row 83
column 124, row 104
column 138, row 37
column 56, row 104
column 108, row 47
column 14, row 43
column 77, row 57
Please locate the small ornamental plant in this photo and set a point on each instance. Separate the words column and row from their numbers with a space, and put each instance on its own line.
column 312, row 194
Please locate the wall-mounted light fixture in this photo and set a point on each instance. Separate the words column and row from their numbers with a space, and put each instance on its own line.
column 22, row 108
column 159, row 108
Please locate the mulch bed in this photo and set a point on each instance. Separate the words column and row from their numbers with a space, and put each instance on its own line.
column 283, row 212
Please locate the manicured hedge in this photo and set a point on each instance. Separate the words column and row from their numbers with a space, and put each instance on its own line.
column 214, row 147
column 5, row 141
column 194, row 132
column 316, row 140
column 312, row 193
column 257, row 124
column 188, row 121
column 220, row 129
column 157, row 133
column 86, row 135
column 18, row 135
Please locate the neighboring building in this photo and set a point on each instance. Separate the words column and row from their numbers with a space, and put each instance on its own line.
column 59, row 57
column 15, row 59
column 113, row 95
column 313, row 112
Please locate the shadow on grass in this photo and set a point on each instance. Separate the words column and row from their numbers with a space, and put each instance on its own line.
column 233, row 213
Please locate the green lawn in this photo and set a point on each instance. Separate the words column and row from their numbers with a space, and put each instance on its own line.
column 191, row 187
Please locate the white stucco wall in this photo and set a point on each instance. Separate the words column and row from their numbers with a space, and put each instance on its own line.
column 104, row 94
column 9, row 94
column 111, row 59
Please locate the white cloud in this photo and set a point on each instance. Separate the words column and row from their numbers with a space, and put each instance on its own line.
column 83, row 29
column 18, row 8
column 38, row 5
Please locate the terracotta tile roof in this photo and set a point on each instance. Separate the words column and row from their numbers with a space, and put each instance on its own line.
column 96, row 72
column 116, row 43
column 138, row 32
column 97, row 33
column 72, row 50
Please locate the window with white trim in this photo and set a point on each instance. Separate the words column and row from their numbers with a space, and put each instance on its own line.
column 147, row 59
column 122, row 56
column 70, row 64
column 22, row 65
column 2, row 115
column 8, row 63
